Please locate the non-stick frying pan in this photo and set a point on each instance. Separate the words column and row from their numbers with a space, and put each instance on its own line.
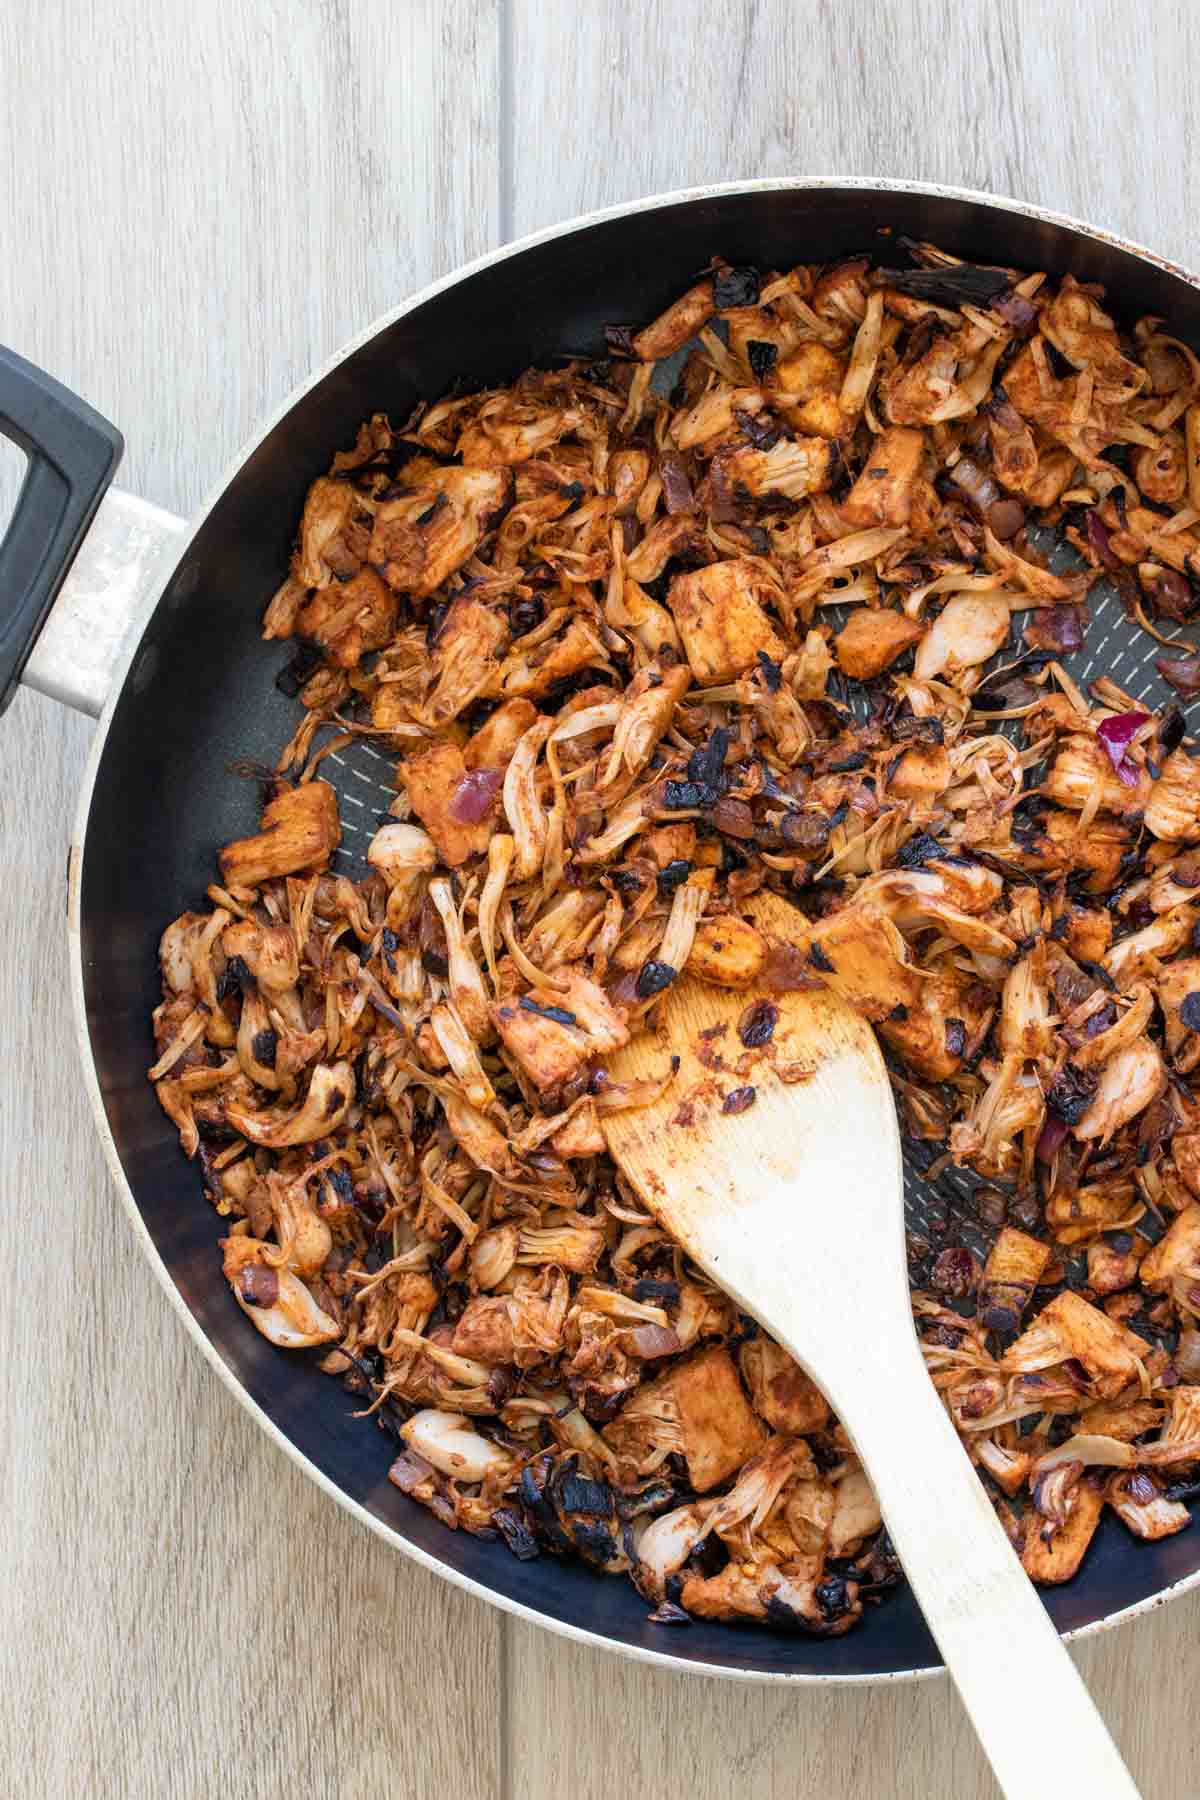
column 156, row 628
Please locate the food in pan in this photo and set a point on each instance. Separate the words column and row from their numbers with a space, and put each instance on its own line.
column 781, row 592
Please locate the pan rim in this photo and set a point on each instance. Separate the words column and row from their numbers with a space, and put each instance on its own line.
column 208, row 1349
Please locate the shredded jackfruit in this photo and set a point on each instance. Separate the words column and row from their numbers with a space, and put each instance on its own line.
column 638, row 648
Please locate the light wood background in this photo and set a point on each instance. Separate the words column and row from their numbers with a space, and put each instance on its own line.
column 197, row 202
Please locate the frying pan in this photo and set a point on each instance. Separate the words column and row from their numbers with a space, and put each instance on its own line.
column 114, row 606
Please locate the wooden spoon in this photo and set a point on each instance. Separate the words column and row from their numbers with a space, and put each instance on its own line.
column 796, row 1207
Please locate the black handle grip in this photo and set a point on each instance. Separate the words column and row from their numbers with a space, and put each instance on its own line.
column 73, row 454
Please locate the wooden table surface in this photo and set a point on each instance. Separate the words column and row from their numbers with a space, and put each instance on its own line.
column 197, row 203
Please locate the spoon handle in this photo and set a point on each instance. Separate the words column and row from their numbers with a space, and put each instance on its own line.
column 1034, row 1717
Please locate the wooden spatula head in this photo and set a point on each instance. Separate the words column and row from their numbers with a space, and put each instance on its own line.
column 777, row 1167
column 774, row 1164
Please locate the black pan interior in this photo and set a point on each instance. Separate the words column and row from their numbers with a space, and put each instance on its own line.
column 201, row 694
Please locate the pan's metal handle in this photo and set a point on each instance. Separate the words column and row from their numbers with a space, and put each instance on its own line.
column 81, row 559
column 110, row 584
column 73, row 454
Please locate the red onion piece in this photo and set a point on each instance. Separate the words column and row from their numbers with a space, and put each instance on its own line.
column 259, row 1285
column 1183, row 672
column 954, row 1273
column 722, row 504
column 1187, row 1355
column 651, row 1341
column 1060, row 628
column 1098, row 538
column 1016, row 311
column 1100, row 1021
column 409, row 1470
column 1116, row 734
column 1052, row 1137
column 475, row 796
column 677, row 489
column 1173, row 595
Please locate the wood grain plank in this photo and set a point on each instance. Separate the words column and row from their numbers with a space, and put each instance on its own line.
column 589, row 1724
column 206, row 201
column 209, row 201
column 1070, row 107
column 1066, row 106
